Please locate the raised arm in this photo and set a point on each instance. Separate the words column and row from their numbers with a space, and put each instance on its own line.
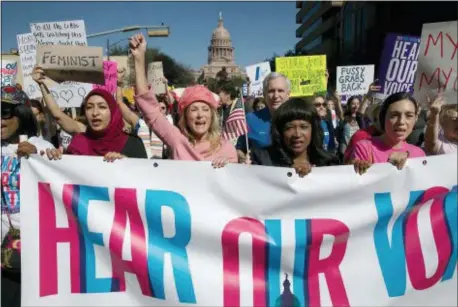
column 67, row 123
column 368, row 96
column 338, row 103
column 147, row 101
column 129, row 116
column 432, row 142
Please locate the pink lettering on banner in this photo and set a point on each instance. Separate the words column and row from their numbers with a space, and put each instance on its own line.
column 328, row 266
column 110, row 71
column 231, row 267
column 415, row 260
column 126, row 206
column 50, row 235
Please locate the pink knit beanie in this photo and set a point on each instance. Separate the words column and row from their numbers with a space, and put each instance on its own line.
column 196, row 93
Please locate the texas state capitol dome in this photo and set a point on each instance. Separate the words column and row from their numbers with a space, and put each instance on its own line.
column 220, row 54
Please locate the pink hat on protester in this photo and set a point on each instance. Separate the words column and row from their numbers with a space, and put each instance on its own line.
column 196, row 93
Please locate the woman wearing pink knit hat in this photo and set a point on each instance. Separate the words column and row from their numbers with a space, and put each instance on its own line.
column 197, row 137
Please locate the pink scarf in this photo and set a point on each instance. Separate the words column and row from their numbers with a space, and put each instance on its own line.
column 112, row 139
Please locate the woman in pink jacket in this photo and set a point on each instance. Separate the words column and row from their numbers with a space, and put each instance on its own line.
column 397, row 117
column 197, row 137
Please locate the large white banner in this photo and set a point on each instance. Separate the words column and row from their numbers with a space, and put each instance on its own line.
column 257, row 73
column 172, row 233
column 438, row 62
column 67, row 94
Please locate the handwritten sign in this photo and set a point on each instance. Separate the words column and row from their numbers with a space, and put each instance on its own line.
column 129, row 94
column 437, row 62
column 354, row 80
column 111, row 77
column 70, row 33
column 9, row 71
column 155, row 75
column 257, row 73
column 398, row 64
column 27, row 47
column 306, row 73
column 70, row 94
column 72, row 63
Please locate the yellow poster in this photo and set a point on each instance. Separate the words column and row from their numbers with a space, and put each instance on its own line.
column 306, row 73
column 129, row 94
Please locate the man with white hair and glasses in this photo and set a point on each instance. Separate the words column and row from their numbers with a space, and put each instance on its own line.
column 277, row 88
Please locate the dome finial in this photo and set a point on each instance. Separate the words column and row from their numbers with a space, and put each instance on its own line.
column 221, row 16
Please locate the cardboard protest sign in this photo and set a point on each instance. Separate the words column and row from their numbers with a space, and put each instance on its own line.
column 69, row 33
column 9, row 71
column 72, row 63
column 306, row 73
column 398, row 64
column 27, row 47
column 155, row 75
column 257, row 73
column 437, row 62
column 110, row 72
column 354, row 80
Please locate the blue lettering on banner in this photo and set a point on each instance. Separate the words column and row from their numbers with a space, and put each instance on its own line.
column 93, row 284
column 158, row 245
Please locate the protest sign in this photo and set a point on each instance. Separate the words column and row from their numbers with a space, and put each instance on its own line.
column 437, row 62
column 244, row 89
column 387, row 238
column 398, row 64
column 129, row 94
column 354, row 80
column 27, row 47
column 71, row 33
column 72, row 63
column 70, row 94
column 306, row 73
column 155, row 75
column 110, row 72
column 257, row 73
column 9, row 71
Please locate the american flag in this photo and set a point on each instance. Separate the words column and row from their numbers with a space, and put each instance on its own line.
column 236, row 123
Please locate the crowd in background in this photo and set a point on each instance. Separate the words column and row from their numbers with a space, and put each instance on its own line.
column 301, row 133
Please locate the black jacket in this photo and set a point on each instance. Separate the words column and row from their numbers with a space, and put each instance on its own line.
column 274, row 156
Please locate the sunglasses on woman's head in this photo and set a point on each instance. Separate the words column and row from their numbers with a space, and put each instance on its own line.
column 7, row 111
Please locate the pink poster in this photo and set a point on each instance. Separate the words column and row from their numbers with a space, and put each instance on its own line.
column 110, row 72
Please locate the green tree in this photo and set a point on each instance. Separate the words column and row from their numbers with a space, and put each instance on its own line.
column 178, row 74
column 213, row 85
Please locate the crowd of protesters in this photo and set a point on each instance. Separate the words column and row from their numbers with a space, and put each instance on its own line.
column 282, row 131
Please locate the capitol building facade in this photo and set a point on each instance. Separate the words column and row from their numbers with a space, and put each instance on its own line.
column 220, row 55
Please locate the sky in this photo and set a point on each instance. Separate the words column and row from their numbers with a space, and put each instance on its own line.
column 258, row 29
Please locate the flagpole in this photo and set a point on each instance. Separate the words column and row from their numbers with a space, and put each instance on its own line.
column 244, row 114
